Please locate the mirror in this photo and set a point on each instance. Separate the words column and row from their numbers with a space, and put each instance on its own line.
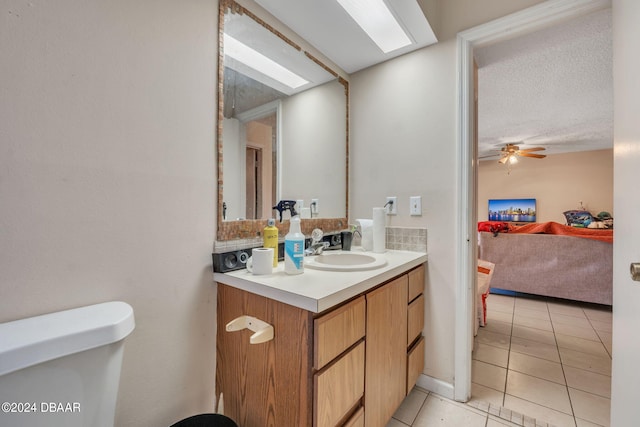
column 282, row 134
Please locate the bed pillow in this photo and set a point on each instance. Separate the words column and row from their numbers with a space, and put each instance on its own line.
column 606, row 219
column 578, row 218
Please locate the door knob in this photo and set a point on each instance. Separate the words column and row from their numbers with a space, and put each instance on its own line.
column 635, row 271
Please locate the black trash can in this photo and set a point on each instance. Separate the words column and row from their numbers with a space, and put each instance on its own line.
column 206, row 420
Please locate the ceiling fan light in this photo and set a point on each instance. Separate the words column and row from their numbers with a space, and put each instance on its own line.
column 513, row 159
column 375, row 19
column 258, row 62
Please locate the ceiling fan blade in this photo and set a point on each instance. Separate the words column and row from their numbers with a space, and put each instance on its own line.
column 532, row 149
column 537, row 156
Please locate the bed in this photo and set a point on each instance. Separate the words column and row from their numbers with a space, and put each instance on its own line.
column 551, row 259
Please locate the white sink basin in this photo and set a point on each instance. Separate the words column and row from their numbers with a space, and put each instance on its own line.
column 346, row 261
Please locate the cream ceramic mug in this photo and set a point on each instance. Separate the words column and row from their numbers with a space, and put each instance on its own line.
column 261, row 261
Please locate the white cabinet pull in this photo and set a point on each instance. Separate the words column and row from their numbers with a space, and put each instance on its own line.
column 263, row 330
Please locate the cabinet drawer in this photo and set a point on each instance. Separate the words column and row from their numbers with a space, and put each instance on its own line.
column 339, row 388
column 415, row 319
column 357, row 420
column 415, row 363
column 338, row 330
column 416, row 283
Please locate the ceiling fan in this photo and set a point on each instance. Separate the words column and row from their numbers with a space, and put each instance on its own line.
column 511, row 152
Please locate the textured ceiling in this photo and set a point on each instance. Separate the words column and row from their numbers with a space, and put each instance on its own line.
column 552, row 88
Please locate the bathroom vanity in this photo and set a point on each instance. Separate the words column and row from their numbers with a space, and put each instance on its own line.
column 347, row 347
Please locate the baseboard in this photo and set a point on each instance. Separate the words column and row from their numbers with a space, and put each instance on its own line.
column 435, row 385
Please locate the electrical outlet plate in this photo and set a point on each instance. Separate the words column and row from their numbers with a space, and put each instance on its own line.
column 392, row 208
column 315, row 206
column 415, row 205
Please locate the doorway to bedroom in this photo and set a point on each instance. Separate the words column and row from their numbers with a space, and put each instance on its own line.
column 544, row 358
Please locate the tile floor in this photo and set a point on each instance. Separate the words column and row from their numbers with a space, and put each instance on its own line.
column 538, row 362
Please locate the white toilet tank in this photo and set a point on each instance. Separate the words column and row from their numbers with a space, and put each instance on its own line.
column 63, row 369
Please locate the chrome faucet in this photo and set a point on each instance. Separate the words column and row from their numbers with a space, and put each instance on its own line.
column 317, row 245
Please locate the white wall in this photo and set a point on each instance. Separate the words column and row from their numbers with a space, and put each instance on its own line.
column 558, row 183
column 235, row 195
column 403, row 143
column 459, row 15
column 314, row 148
column 107, row 182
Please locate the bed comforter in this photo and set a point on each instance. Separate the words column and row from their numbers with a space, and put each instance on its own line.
column 554, row 265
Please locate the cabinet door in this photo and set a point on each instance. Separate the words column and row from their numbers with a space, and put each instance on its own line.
column 386, row 351
column 266, row 384
column 339, row 388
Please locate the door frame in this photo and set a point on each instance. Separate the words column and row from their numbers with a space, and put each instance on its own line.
column 528, row 20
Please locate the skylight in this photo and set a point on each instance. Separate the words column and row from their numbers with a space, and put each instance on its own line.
column 375, row 18
column 258, row 62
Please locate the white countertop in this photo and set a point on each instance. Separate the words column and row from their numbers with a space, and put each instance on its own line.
column 319, row 290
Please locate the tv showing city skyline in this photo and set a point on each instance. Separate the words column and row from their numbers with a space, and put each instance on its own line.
column 512, row 210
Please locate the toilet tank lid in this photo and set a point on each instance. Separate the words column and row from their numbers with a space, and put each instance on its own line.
column 34, row 340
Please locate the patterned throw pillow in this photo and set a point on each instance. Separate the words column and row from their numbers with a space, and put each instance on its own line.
column 578, row 218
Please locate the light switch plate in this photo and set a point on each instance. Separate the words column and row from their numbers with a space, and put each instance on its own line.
column 415, row 205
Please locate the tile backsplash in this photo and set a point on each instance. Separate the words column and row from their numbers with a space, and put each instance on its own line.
column 406, row 238
column 235, row 245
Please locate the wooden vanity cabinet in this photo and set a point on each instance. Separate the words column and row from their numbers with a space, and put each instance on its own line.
column 268, row 384
column 348, row 367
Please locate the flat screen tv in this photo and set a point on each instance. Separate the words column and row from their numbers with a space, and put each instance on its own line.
column 512, row 210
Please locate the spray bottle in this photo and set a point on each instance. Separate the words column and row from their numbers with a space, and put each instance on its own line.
column 286, row 205
column 293, row 241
